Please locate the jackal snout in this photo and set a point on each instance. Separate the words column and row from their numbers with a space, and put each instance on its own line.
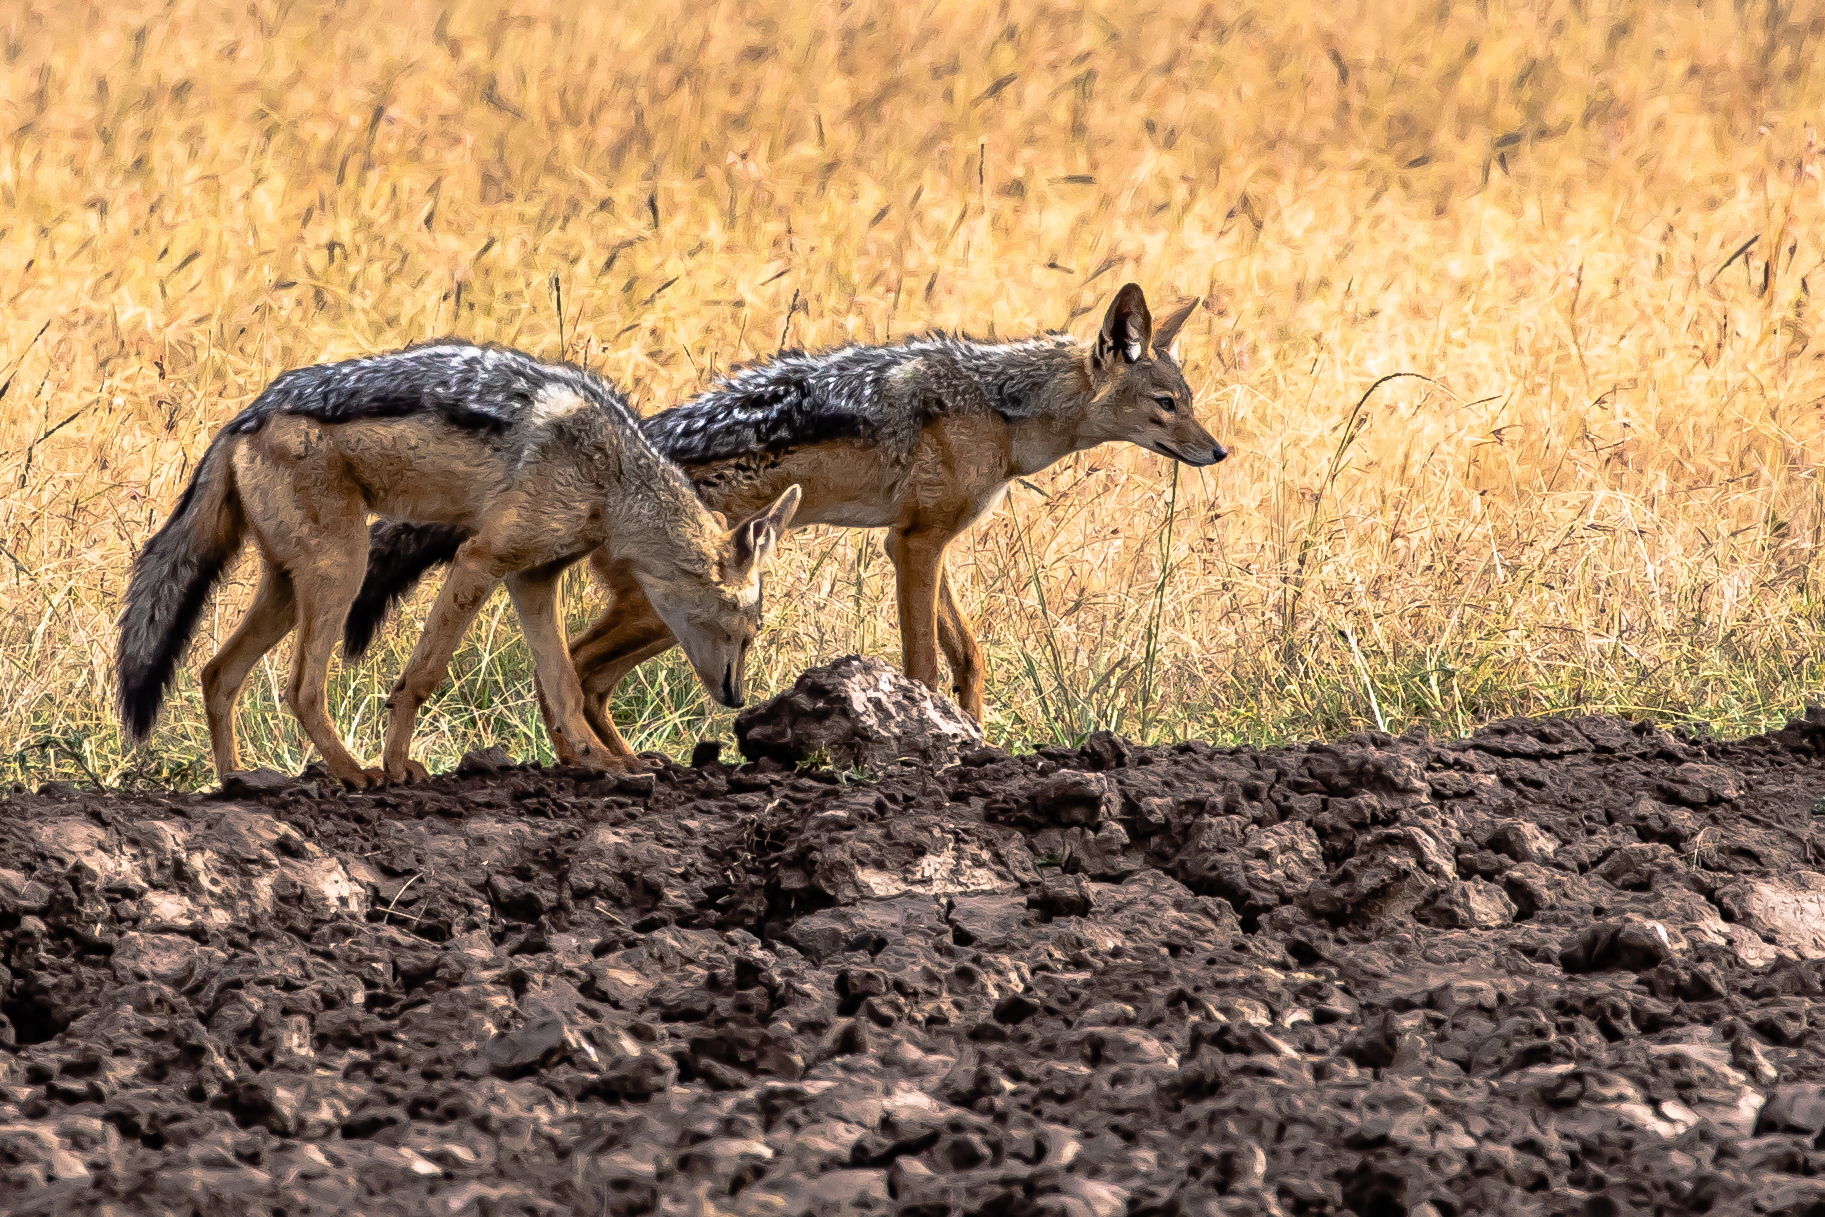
column 715, row 619
column 1190, row 443
column 1139, row 384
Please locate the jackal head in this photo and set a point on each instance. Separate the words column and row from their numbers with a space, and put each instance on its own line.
column 1138, row 392
column 713, row 607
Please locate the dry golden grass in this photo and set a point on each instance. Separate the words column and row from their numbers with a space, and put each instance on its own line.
column 1595, row 230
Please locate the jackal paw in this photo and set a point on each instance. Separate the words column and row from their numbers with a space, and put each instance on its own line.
column 362, row 779
column 407, row 774
column 600, row 760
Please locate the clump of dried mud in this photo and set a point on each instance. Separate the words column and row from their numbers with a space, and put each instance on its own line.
column 1558, row 967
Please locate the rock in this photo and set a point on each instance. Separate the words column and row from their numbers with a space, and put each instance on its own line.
column 252, row 783
column 928, row 857
column 1074, row 797
column 1788, row 912
column 989, row 923
column 625, row 864
column 1698, row 785
column 1797, row 1108
column 485, row 762
column 640, row 785
column 762, row 992
column 1090, row 1197
column 858, row 927
column 1632, row 867
column 1255, row 869
column 856, row 713
column 1631, row 944
column 626, row 1067
column 1061, row 895
column 21, row 894
column 1522, row 841
column 1534, row 887
column 834, row 1194
column 1393, row 872
column 538, row 1044
column 1747, row 1055
column 1476, row 904
column 1101, row 855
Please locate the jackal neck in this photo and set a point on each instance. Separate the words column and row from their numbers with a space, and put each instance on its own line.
column 1028, row 379
column 1045, row 395
column 655, row 519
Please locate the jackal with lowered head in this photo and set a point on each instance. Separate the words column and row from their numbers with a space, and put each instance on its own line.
column 920, row 437
column 507, row 468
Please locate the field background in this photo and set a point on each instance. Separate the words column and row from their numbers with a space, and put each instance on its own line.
column 1595, row 230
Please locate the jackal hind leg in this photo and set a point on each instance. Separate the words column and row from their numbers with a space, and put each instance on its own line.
column 604, row 623
column 269, row 619
column 604, row 679
column 472, row 579
column 626, row 634
column 961, row 651
column 617, row 587
column 535, row 598
column 325, row 581
column 918, row 560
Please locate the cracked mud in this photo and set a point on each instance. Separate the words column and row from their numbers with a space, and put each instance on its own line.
column 1559, row 967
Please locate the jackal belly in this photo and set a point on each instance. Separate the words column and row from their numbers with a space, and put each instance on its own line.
column 424, row 471
column 845, row 484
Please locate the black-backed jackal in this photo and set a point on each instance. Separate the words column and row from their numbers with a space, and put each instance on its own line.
column 920, row 437
column 510, row 469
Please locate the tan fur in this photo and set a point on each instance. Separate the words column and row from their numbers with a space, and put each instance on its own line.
column 956, row 473
column 306, row 489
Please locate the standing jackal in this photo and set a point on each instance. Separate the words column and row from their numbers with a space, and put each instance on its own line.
column 507, row 468
column 920, row 437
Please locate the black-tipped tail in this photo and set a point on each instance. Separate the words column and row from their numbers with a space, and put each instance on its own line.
column 172, row 579
column 399, row 555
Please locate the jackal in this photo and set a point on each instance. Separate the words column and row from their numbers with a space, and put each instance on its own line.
column 507, row 468
column 920, row 437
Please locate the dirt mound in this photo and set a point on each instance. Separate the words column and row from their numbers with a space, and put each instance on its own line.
column 1559, row 967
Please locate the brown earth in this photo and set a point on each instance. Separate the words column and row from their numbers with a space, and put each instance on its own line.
column 1559, row 967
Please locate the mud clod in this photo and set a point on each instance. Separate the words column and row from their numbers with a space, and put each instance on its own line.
column 856, row 713
column 1574, row 966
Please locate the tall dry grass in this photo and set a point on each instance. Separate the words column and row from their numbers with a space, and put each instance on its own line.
column 1590, row 233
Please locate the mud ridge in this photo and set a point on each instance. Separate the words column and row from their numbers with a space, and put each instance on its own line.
column 1566, row 966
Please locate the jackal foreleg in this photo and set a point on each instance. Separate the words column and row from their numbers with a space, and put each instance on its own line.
column 473, row 578
column 535, row 597
column 918, row 560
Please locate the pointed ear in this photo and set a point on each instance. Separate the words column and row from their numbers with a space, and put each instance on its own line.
column 756, row 536
column 1127, row 329
column 1167, row 332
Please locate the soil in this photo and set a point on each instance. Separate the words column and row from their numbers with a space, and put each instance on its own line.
column 1569, row 966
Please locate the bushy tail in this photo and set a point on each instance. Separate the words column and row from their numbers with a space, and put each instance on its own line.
column 398, row 557
column 172, row 579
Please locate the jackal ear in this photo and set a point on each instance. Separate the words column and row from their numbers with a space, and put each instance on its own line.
column 1167, row 332
column 756, row 536
column 1127, row 329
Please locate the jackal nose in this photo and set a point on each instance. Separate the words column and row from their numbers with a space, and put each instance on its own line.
column 1218, row 452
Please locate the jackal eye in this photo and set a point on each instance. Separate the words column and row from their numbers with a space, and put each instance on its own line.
column 1167, row 404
